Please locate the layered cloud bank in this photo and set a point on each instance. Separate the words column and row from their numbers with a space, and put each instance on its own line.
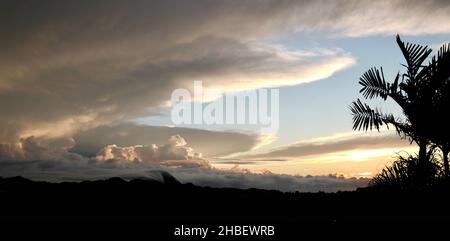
column 339, row 143
column 128, row 142
column 32, row 159
column 58, row 159
column 211, row 143
column 353, row 154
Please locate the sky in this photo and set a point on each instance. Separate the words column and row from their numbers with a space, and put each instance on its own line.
column 85, row 87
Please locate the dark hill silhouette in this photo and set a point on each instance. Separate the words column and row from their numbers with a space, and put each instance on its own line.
column 159, row 206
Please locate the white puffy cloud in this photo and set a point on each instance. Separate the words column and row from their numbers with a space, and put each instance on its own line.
column 36, row 148
column 174, row 153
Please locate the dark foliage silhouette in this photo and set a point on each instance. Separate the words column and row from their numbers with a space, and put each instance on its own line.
column 422, row 92
column 402, row 173
column 439, row 82
column 148, row 208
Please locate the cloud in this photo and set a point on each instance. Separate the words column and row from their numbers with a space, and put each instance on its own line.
column 88, row 142
column 214, row 178
column 78, row 65
column 41, row 159
column 37, row 148
column 246, row 161
column 58, row 171
column 77, row 171
column 175, row 153
column 367, row 18
column 334, row 144
column 234, row 65
column 79, row 96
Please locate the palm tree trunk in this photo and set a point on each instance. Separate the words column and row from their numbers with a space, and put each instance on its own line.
column 422, row 163
column 445, row 150
column 422, row 152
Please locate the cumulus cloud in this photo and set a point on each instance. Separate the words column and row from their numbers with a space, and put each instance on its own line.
column 37, row 148
column 174, row 153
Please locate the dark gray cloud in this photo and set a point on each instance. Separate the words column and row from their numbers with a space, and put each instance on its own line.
column 210, row 143
column 80, row 64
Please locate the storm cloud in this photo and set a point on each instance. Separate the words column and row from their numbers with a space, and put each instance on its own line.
column 75, row 65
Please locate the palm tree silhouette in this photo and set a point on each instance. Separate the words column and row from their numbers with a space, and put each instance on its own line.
column 406, row 93
column 422, row 94
column 438, row 76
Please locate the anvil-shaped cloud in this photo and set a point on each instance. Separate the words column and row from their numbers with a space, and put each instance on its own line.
column 77, row 65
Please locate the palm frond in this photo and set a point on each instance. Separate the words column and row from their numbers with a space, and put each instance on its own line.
column 414, row 55
column 364, row 117
column 444, row 51
column 374, row 84
column 441, row 64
